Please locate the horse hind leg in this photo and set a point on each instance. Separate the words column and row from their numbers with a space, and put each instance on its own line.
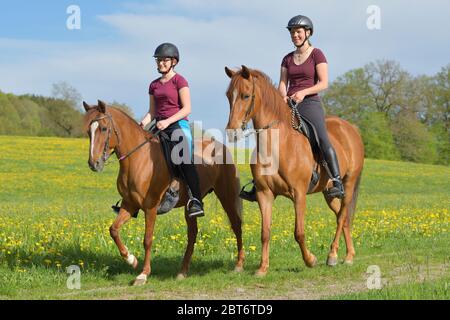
column 342, row 210
column 232, row 204
column 299, row 234
column 192, row 236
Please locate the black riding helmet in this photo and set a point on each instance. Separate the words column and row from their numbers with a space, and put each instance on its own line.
column 302, row 22
column 167, row 50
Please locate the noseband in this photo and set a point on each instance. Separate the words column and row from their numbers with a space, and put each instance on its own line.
column 105, row 155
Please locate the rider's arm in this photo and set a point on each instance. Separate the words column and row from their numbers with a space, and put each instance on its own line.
column 282, row 86
column 150, row 114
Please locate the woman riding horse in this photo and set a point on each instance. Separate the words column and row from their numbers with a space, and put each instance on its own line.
column 304, row 73
column 170, row 104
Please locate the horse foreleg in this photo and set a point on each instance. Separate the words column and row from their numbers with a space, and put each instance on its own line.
column 123, row 217
column 150, row 218
column 299, row 233
column 265, row 202
column 192, row 236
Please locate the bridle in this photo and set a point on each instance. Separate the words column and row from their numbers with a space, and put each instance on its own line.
column 106, row 147
column 249, row 111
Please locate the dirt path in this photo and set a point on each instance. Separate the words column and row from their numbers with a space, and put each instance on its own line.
column 310, row 290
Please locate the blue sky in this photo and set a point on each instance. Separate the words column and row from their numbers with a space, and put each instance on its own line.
column 110, row 57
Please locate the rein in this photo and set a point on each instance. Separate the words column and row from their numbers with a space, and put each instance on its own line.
column 106, row 147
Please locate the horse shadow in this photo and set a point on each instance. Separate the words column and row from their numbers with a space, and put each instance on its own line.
column 111, row 265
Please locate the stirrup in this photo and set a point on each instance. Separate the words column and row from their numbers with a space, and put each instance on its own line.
column 248, row 195
column 336, row 191
column 116, row 210
column 195, row 208
column 116, row 207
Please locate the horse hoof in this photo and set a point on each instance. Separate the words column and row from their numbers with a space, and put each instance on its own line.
column 140, row 280
column 260, row 274
column 312, row 262
column 238, row 269
column 181, row 276
column 348, row 262
column 332, row 261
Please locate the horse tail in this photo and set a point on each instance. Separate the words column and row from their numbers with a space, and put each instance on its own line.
column 352, row 206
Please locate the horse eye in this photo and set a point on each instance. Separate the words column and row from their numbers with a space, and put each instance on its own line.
column 103, row 129
column 245, row 96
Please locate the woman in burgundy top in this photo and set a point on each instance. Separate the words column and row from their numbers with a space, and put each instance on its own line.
column 170, row 104
column 304, row 73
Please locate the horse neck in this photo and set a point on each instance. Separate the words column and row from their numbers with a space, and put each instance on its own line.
column 130, row 134
column 272, row 109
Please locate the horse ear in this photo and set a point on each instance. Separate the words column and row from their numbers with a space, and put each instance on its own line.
column 245, row 72
column 86, row 106
column 101, row 106
column 229, row 72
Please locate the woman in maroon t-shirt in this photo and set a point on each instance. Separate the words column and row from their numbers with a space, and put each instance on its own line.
column 304, row 73
column 170, row 104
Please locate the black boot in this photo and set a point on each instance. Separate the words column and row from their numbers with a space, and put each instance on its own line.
column 248, row 195
column 337, row 190
column 195, row 208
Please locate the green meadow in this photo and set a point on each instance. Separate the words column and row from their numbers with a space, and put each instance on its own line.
column 55, row 212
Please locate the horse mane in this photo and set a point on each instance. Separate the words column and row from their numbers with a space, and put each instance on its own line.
column 273, row 102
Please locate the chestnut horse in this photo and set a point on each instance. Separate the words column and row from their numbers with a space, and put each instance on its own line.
column 144, row 177
column 252, row 96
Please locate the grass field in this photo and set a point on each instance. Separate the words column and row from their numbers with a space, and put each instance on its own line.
column 55, row 212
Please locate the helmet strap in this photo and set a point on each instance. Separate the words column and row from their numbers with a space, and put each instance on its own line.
column 307, row 38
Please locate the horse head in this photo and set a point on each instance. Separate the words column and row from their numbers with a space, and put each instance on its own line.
column 103, row 135
column 242, row 95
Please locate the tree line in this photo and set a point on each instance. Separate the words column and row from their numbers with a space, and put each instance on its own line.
column 400, row 116
column 33, row 115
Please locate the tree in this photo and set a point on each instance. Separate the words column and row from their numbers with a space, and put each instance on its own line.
column 412, row 139
column 125, row 108
column 64, row 91
column 377, row 137
column 348, row 96
column 387, row 86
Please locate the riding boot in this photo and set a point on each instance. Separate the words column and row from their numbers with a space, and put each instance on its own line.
column 169, row 201
column 248, row 195
column 337, row 191
column 194, row 205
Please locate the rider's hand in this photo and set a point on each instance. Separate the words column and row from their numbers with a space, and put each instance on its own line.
column 298, row 96
column 161, row 125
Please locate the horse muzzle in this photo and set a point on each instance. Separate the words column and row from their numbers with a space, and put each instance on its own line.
column 96, row 166
column 234, row 135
